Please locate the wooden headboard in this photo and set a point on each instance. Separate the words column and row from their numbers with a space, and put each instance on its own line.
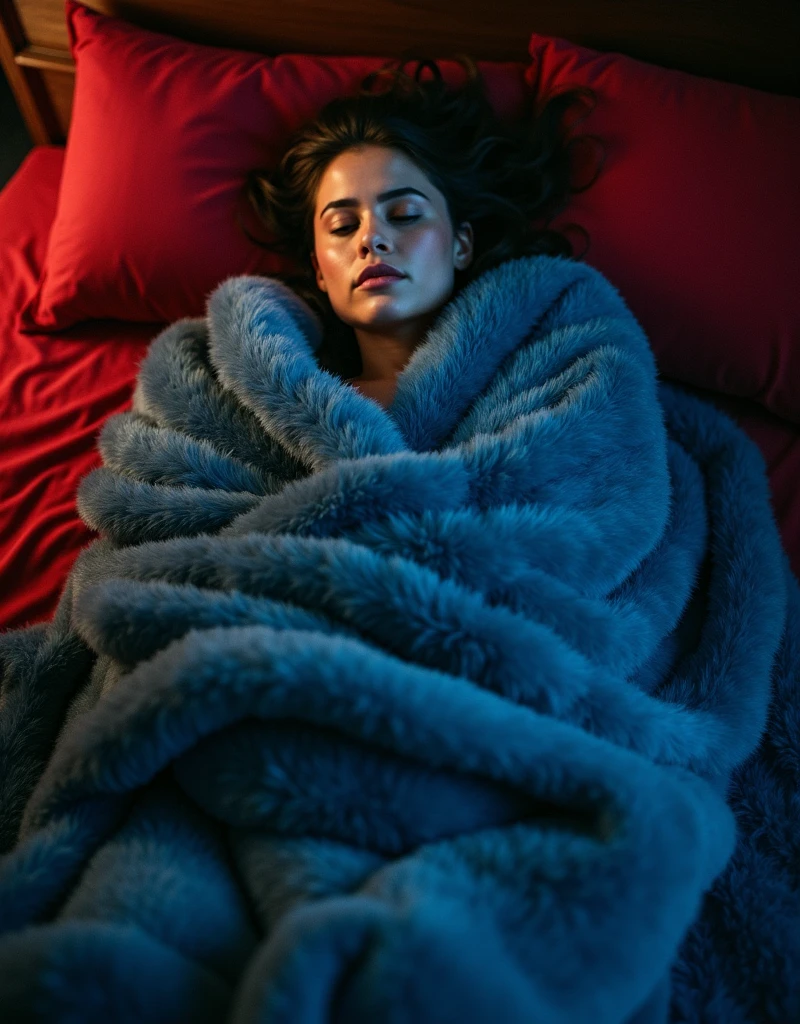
column 752, row 42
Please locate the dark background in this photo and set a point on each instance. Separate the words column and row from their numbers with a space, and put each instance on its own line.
column 14, row 139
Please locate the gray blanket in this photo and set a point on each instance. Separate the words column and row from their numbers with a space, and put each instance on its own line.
column 479, row 708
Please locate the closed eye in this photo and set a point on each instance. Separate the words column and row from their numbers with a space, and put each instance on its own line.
column 397, row 216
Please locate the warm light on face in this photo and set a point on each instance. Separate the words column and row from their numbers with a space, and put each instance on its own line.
column 374, row 205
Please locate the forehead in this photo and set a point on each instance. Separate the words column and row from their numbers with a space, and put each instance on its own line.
column 364, row 172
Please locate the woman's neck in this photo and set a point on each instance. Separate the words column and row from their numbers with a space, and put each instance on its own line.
column 382, row 361
column 380, row 391
column 382, row 357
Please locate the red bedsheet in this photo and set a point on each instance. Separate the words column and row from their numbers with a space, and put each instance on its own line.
column 56, row 390
column 55, row 393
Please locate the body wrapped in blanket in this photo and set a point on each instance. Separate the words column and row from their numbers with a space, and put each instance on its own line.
column 480, row 708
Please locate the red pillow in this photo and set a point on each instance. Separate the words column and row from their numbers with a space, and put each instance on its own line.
column 695, row 217
column 163, row 133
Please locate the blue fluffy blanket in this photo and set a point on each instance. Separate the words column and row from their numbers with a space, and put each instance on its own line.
column 482, row 708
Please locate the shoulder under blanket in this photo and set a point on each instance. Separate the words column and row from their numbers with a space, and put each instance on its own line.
column 482, row 708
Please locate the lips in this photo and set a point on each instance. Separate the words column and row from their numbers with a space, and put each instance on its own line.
column 377, row 270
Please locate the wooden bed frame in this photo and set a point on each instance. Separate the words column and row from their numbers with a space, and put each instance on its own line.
column 752, row 42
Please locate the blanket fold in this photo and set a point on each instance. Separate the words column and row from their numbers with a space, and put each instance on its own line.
column 477, row 708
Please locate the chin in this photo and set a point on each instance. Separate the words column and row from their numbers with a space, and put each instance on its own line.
column 388, row 314
column 382, row 318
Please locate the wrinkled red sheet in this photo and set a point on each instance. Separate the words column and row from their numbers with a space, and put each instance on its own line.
column 56, row 390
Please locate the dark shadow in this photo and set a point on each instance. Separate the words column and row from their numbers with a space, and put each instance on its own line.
column 15, row 142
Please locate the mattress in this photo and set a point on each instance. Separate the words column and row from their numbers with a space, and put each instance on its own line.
column 56, row 391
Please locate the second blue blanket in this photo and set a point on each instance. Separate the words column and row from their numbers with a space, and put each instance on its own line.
column 412, row 715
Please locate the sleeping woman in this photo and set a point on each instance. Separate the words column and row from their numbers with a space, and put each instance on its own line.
column 425, row 635
column 390, row 201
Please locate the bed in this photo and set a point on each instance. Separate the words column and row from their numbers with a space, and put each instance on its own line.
column 145, row 118
column 58, row 386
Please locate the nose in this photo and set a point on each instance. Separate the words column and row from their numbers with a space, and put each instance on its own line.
column 373, row 239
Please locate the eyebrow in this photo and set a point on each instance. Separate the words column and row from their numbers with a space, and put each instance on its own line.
column 392, row 194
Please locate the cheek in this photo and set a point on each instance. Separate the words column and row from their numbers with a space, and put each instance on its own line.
column 433, row 247
column 331, row 265
column 325, row 256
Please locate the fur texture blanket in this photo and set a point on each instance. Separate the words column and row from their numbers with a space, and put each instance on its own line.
column 482, row 708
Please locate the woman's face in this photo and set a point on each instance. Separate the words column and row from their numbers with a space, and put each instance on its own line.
column 374, row 205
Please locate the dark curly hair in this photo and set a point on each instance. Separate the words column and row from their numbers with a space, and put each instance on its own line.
column 509, row 180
